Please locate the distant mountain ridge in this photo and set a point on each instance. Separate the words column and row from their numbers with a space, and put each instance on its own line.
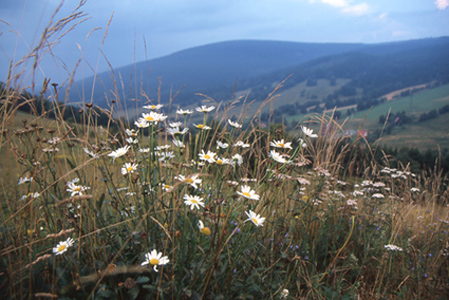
column 209, row 68
column 210, row 65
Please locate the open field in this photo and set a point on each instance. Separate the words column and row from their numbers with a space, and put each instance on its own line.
column 416, row 104
column 135, row 218
column 395, row 94
column 431, row 134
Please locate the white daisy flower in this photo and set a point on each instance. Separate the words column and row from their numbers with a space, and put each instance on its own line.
column 232, row 183
column 184, row 112
column 203, row 230
column 378, row 196
column 308, row 132
column 164, row 156
column 281, row 144
column 153, row 117
column 30, row 195
column 193, row 201
column 119, row 152
column 166, row 187
column 178, row 143
column 76, row 189
column 131, row 132
column 255, row 218
column 144, row 150
column 141, row 123
column 164, row 147
column 175, row 131
column 277, row 157
column 223, row 161
column 248, row 193
column 351, row 202
column 50, row 150
column 234, row 124
column 153, row 107
column 284, row 294
column 130, row 140
column 155, row 259
column 175, row 124
column 90, row 153
column 191, row 180
column 74, row 180
column 241, row 144
column 62, row 247
column 54, row 141
column 238, row 159
column 25, row 179
column 222, row 145
column 209, row 156
column 205, row 109
column 393, row 248
column 129, row 168
column 202, row 126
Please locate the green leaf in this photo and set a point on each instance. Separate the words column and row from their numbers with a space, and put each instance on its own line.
column 148, row 287
column 100, row 201
column 134, row 292
column 142, row 279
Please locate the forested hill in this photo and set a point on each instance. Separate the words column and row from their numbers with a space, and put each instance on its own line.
column 374, row 71
column 204, row 67
column 257, row 65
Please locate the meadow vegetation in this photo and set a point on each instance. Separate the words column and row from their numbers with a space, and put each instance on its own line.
column 164, row 208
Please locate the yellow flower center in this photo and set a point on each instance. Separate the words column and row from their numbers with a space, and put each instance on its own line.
column 200, row 126
column 129, row 169
column 188, row 180
column 149, row 118
column 193, row 201
column 154, row 261
column 205, row 231
column 62, row 247
column 254, row 220
column 207, row 156
column 77, row 189
column 219, row 161
column 247, row 194
column 166, row 186
column 281, row 145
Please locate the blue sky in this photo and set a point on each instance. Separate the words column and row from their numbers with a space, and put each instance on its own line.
column 142, row 29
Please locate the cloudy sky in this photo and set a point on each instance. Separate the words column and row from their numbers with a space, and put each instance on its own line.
column 142, row 29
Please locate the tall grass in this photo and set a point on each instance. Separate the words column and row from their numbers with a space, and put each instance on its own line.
column 73, row 225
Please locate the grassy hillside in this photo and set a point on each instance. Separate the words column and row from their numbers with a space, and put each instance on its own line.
column 414, row 105
column 431, row 134
column 428, row 134
column 131, row 221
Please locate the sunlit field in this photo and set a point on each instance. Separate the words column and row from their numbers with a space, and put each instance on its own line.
column 162, row 207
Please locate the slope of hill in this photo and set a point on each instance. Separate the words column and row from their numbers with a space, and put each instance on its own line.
column 206, row 67
column 356, row 74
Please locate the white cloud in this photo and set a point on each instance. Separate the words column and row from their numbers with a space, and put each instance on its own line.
column 383, row 16
column 399, row 33
column 353, row 9
column 442, row 4
column 337, row 3
column 358, row 9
